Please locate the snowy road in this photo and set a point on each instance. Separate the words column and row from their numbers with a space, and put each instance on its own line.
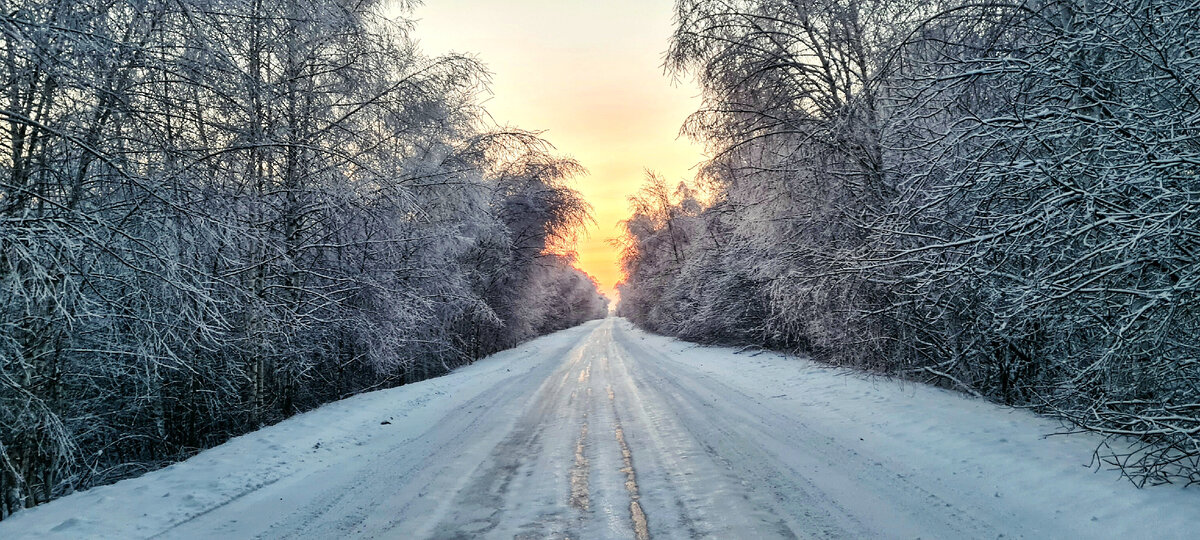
column 603, row 431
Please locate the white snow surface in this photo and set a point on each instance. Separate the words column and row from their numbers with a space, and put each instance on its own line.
column 537, row 442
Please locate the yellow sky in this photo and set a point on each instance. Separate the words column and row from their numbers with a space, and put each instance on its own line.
column 589, row 73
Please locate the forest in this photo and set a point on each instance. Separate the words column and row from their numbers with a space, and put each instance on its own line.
column 215, row 214
column 999, row 197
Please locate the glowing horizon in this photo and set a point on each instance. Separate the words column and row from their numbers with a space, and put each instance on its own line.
column 589, row 75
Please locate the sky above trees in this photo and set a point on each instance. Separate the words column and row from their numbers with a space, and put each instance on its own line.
column 590, row 74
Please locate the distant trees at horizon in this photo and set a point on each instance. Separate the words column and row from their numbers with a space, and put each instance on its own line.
column 999, row 197
column 217, row 213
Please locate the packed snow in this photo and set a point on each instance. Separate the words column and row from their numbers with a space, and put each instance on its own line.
column 605, row 431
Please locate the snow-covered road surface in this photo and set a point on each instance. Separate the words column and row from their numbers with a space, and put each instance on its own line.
column 604, row 431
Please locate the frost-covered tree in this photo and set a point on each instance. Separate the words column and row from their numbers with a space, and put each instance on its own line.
column 996, row 197
column 216, row 213
column 1046, row 228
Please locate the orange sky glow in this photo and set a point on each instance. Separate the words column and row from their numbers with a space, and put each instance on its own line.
column 590, row 75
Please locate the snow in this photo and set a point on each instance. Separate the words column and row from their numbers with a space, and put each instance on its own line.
column 577, row 433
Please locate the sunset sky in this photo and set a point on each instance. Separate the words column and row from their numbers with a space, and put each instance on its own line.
column 589, row 74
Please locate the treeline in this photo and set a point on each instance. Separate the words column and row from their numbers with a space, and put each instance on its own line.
column 217, row 213
column 1003, row 198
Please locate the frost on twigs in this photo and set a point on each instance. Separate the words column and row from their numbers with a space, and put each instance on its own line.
column 999, row 198
column 217, row 213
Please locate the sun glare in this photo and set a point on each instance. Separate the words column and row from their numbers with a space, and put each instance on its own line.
column 589, row 75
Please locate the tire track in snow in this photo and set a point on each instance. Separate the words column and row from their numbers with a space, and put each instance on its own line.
column 486, row 506
column 333, row 512
column 579, row 474
column 789, row 446
column 641, row 528
column 580, row 498
column 637, row 515
column 716, row 478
